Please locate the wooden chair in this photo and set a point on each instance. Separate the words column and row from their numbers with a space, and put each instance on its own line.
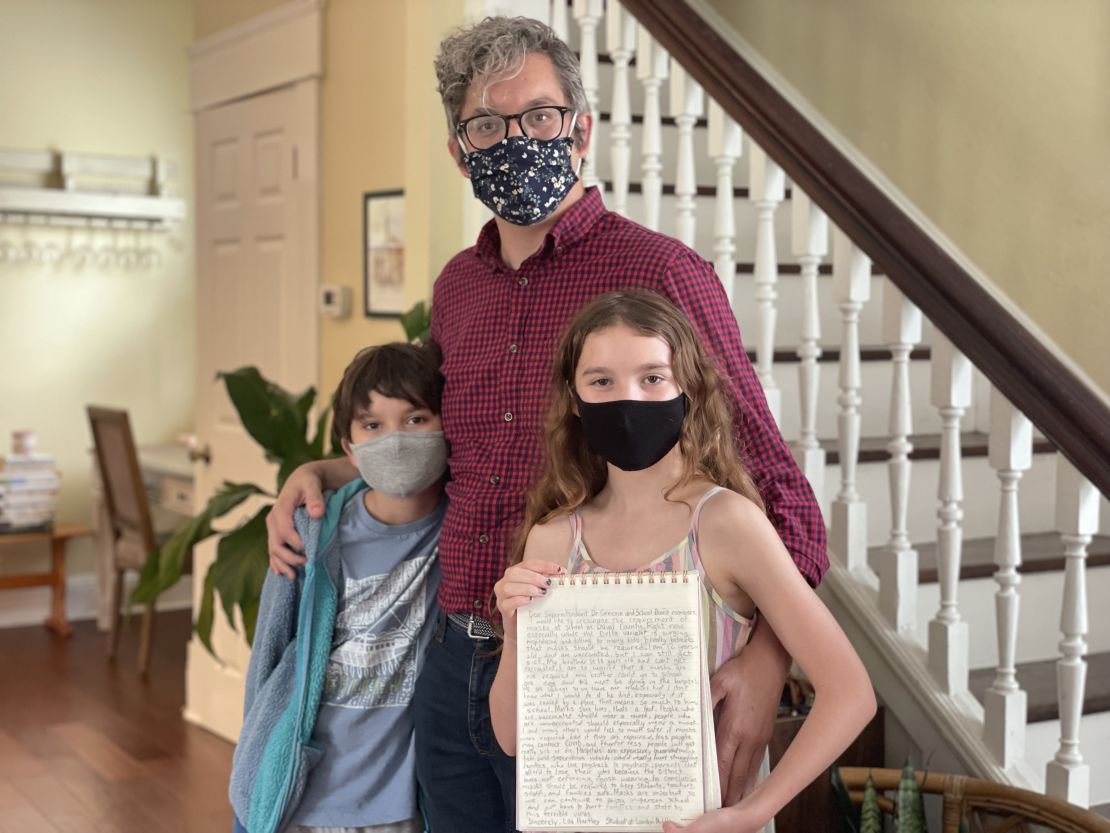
column 988, row 807
column 129, row 513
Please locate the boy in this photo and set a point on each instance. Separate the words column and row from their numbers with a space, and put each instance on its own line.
column 327, row 739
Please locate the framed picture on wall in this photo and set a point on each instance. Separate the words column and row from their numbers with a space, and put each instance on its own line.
column 383, row 253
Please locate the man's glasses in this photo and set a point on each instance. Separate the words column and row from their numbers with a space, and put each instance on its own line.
column 485, row 131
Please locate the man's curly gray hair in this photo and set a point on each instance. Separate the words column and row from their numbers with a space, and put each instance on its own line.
column 495, row 48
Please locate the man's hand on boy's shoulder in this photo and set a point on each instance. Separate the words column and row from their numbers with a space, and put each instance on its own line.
column 304, row 487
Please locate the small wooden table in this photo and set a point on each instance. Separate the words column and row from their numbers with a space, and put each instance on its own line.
column 58, row 538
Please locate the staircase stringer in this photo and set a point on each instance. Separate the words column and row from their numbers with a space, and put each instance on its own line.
column 900, row 674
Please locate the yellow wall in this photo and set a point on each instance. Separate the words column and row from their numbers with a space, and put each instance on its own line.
column 383, row 128
column 105, row 77
column 992, row 116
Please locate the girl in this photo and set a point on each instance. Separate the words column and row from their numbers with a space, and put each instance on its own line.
column 639, row 452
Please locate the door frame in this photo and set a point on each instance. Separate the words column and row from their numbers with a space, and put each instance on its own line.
column 280, row 48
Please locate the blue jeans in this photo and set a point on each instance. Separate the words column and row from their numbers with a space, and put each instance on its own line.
column 468, row 783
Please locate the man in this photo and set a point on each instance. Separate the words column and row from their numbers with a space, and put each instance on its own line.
column 520, row 129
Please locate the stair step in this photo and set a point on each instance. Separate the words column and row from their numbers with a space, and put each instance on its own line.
column 1040, row 553
column 637, row 118
column 831, row 354
column 925, row 447
column 1038, row 680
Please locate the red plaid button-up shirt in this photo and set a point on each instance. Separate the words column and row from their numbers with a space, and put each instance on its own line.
column 498, row 329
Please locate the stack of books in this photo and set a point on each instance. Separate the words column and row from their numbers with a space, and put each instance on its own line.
column 28, row 492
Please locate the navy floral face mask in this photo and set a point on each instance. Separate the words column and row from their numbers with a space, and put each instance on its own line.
column 522, row 180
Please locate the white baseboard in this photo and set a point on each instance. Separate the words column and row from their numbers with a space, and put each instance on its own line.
column 31, row 605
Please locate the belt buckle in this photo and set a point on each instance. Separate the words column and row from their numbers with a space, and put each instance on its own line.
column 470, row 631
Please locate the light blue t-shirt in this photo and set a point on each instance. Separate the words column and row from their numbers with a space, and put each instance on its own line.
column 387, row 590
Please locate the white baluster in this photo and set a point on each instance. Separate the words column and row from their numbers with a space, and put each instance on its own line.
column 851, row 290
column 651, row 69
column 898, row 568
column 1011, row 455
column 948, row 635
column 1066, row 776
column 686, row 107
column 809, row 232
column 724, row 150
column 588, row 14
column 767, row 184
column 620, row 30
column 559, row 22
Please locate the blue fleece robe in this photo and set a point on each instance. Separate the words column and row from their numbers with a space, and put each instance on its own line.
column 286, row 677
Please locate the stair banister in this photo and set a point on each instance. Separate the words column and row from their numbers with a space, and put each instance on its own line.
column 809, row 230
column 898, row 571
column 559, row 19
column 767, row 188
column 851, row 290
column 651, row 70
column 948, row 291
column 588, row 15
column 950, row 393
column 1066, row 776
column 724, row 148
column 686, row 108
column 620, row 31
column 1011, row 455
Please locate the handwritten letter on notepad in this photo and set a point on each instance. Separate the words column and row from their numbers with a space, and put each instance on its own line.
column 614, row 723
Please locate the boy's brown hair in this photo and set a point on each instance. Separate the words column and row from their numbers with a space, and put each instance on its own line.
column 397, row 370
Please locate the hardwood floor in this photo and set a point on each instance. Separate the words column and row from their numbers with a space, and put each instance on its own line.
column 90, row 747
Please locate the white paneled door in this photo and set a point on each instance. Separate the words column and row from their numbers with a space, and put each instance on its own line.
column 256, row 281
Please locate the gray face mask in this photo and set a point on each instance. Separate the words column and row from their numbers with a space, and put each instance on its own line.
column 402, row 463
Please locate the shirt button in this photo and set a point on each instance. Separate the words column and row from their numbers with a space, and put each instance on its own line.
column 523, row 281
column 513, row 348
column 558, row 250
column 477, row 604
column 494, row 479
column 483, row 539
column 508, row 417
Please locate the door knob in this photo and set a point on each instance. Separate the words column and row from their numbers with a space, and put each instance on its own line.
column 196, row 449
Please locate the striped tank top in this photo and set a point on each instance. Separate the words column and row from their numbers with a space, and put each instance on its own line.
column 726, row 631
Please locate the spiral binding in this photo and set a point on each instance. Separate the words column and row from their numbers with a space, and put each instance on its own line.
column 644, row 577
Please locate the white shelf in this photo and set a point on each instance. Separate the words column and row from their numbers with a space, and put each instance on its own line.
column 52, row 187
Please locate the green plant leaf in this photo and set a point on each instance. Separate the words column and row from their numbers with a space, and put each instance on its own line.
column 870, row 815
column 276, row 419
column 304, row 404
column 250, row 619
column 206, row 613
column 417, row 322
column 316, row 447
column 289, row 464
column 239, row 571
column 911, row 817
column 849, row 812
column 164, row 566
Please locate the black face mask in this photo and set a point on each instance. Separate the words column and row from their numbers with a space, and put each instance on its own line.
column 630, row 434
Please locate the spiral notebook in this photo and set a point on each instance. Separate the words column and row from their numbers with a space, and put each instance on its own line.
column 614, row 716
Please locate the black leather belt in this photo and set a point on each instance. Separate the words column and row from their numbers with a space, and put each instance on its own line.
column 473, row 626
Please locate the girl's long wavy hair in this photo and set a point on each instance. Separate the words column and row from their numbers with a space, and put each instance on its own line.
column 571, row 473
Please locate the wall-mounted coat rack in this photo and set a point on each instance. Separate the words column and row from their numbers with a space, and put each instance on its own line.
column 59, row 188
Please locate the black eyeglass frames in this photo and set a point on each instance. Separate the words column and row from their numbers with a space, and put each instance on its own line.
column 486, row 130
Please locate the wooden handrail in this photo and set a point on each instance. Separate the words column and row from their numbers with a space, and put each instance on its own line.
column 1071, row 415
